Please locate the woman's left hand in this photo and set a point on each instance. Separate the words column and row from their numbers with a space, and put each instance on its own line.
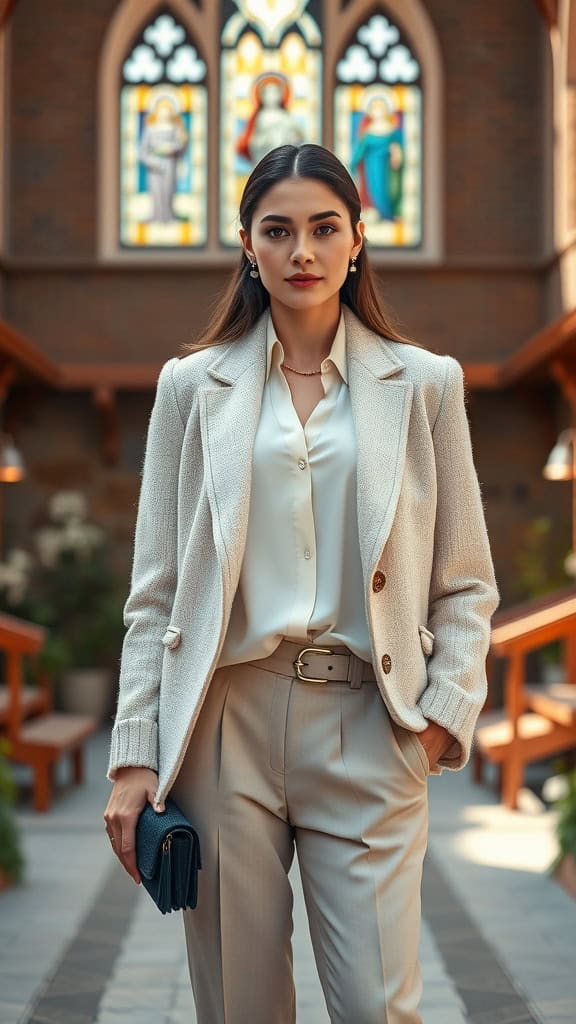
column 435, row 739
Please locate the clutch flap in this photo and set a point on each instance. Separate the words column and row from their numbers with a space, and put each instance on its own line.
column 151, row 831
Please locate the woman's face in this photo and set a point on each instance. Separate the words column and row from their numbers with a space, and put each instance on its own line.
column 301, row 227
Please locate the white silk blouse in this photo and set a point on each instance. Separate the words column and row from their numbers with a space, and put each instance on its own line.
column 301, row 575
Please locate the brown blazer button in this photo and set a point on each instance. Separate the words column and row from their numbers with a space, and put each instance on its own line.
column 386, row 662
column 378, row 581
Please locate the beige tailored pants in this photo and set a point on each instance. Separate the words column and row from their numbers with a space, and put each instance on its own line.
column 273, row 762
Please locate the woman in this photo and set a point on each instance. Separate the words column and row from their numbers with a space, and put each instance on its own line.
column 309, row 613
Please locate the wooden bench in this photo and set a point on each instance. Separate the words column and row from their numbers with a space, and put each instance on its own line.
column 537, row 720
column 33, row 700
column 36, row 734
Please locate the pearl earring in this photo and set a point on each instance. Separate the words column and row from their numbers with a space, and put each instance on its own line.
column 352, row 268
column 254, row 268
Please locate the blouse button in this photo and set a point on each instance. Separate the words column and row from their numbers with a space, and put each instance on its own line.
column 386, row 662
column 378, row 581
column 302, row 463
column 307, row 553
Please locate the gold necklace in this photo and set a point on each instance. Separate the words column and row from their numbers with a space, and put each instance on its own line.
column 305, row 373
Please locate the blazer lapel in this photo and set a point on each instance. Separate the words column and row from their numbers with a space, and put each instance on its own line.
column 381, row 411
column 229, row 415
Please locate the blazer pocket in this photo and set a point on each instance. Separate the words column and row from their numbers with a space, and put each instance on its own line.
column 426, row 639
column 172, row 637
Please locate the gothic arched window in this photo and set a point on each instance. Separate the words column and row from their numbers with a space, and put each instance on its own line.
column 378, row 130
column 163, row 127
column 192, row 93
column 270, row 89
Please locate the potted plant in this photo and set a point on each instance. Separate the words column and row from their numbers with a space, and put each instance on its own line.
column 11, row 856
column 539, row 570
column 67, row 585
column 561, row 789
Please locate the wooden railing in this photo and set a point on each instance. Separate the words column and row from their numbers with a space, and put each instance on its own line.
column 36, row 734
column 537, row 720
column 17, row 701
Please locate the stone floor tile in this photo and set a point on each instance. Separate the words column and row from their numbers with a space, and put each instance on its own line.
column 12, row 1010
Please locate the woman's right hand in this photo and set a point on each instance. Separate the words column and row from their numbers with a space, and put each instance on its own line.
column 133, row 787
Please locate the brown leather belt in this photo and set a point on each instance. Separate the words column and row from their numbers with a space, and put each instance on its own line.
column 334, row 664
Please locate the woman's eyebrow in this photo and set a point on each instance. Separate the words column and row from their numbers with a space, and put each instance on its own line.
column 288, row 220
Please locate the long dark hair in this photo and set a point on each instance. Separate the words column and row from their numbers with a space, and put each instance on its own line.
column 245, row 298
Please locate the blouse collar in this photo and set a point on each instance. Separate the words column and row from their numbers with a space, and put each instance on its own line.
column 337, row 355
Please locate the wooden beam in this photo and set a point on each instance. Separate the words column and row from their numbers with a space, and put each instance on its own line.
column 125, row 376
column 540, row 350
column 28, row 359
column 7, row 374
column 105, row 400
column 6, row 8
column 549, row 9
column 482, row 376
column 564, row 372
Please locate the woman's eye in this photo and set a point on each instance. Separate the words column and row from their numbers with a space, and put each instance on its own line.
column 329, row 229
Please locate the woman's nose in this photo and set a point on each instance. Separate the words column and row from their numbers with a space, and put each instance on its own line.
column 302, row 253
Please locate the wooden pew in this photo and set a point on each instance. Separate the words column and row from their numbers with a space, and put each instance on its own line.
column 537, row 720
column 36, row 734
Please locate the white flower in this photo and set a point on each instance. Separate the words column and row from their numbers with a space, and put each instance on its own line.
column 49, row 544
column 65, row 505
column 555, row 788
column 20, row 559
column 14, row 581
column 8, row 574
column 81, row 537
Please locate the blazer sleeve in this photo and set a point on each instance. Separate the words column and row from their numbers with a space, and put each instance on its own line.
column 134, row 739
column 463, row 590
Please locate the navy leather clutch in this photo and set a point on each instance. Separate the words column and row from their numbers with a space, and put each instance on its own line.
column 168, row 857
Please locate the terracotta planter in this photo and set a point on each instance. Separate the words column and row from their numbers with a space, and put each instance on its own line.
column 88, row 691
column 565, row 874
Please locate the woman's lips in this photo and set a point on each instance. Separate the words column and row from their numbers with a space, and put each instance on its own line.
column 303, row 282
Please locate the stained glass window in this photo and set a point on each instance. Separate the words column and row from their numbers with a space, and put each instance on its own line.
column 378, row 130
column 271, row 89
column 163, row 130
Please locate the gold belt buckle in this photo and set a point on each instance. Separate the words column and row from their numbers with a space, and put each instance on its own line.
column 299, row 663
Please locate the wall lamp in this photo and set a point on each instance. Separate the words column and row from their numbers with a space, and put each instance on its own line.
column 561, row 465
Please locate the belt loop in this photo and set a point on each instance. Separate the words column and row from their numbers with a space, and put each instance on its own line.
column 355, row 671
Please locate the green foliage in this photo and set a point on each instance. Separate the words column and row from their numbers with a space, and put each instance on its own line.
column 79, row 603
column 566, row 823
column 539, row 560
column 11, row 856
column 539, row 570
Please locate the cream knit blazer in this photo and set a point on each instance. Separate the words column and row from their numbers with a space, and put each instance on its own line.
column 429, row 583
